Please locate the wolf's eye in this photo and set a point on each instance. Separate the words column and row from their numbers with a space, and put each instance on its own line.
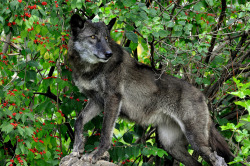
column 93, row 37
column 106, row 37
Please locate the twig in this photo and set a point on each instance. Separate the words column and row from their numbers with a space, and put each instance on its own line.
column 6, row 44
column 152, row 54
column 212, row 43
column 238, row 47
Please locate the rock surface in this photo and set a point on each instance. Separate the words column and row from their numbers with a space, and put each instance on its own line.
column 75, row 161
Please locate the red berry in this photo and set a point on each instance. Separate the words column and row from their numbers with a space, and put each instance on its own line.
column 44, row 3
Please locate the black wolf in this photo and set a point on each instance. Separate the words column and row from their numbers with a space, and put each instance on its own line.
column 116, row 83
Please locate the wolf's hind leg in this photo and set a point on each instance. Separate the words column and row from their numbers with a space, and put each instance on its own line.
column 89, row 112
column 175, row 143
column 198, row 138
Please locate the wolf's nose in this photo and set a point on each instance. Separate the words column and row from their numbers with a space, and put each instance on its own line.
column 108, row 54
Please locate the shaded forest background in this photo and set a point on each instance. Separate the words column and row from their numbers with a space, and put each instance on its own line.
column 205, row 42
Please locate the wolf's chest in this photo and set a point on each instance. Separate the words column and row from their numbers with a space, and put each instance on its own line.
column 86, row 85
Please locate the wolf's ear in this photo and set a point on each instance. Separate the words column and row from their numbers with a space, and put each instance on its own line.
column 111, row 23
column 76, row 22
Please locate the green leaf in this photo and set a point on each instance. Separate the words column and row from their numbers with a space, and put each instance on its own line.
column 54, row 20
column 246, row 119
column 144, row 15
column 210, row 2
column 23, row 118
column 128, row 3
column 47, row 155
column 240, row 94
column 128, row 151
column 170, row 24
column 145, row 151
column 20, row 83
column 245, row 104
column 14, row 4
column 59, row 117
column 33, row 64
column 246, row 147
column 120, row 153
column 1, row 113
column 35, row 13
column 78, row 4
column 31, row 116
column 198, row 80
column 38, row 156
column 132, row 36
column 237, row 159
column 166, row 16
column 31, row 75
column 1, row 93
column 42, row 12
column 152, row 12
column 161, row 152
column 7, row 128
column 156, row 34
column 24, row 33
column 197, row 7
column 138, row 130
column 6, row 139
column 22, row 148
column 178, row 27
column 128, row 137
column 163, row 33
column 1, row 19
column 182, row 23
column 18, row 116
column 29, row 131
column 73, row 4
column 206, row 81
column 189, row 26
column 229, row 126
column 20, row 130
column 28, row 144
column 44, row 32
column 136, row 151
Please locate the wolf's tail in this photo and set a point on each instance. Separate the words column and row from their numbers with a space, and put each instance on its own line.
column 218, row 144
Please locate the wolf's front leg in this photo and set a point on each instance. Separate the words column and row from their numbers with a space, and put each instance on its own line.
column 89, row 112
column 111, row 112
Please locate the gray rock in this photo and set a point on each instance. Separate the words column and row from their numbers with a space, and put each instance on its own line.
column 75, row 161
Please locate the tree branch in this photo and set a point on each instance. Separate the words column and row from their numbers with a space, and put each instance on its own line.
column 216, row 28
column 240, row 44
column 233, row 115
column 6, row 44
column 175, row 6
column 54, row 97
column 148, row 3
column 211, row 90
column 152, row 49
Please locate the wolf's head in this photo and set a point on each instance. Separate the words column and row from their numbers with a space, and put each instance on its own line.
column 91, row 40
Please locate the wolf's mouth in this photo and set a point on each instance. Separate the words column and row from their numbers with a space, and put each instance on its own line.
column 103, row 59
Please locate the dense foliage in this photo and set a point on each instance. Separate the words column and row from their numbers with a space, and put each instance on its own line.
column 205, row 42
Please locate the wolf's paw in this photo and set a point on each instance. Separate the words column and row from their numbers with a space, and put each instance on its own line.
column 217, row 160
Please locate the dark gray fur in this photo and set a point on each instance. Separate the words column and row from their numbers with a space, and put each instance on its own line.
column 116, row 83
